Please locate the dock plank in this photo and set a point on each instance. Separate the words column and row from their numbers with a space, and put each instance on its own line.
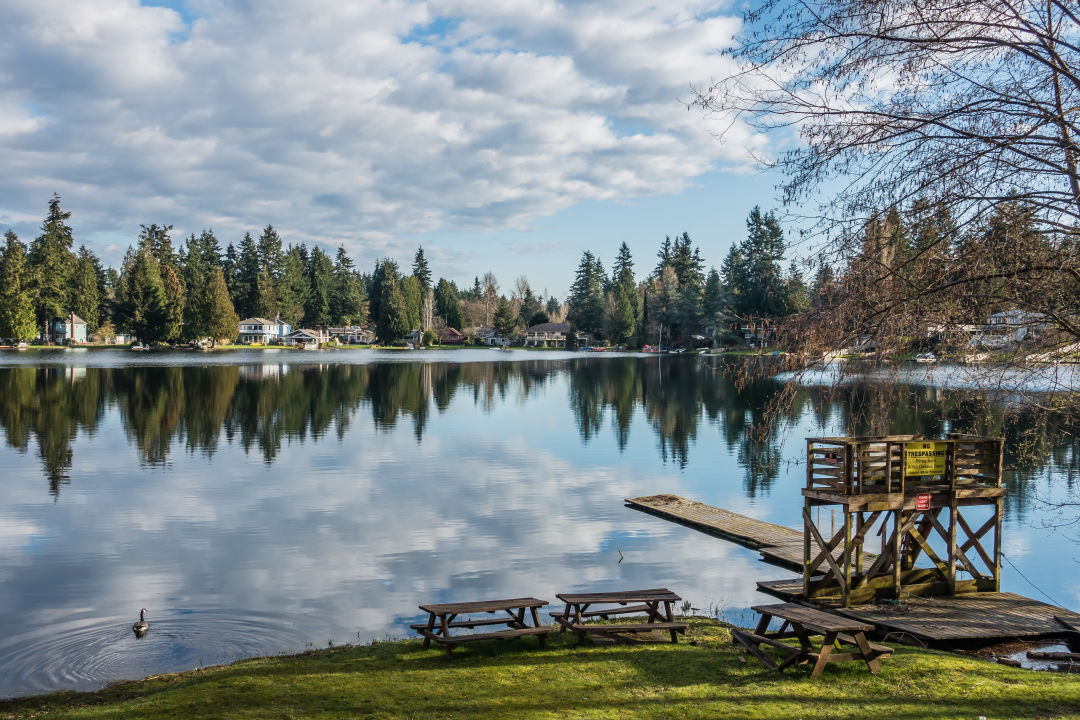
column 725, row 524
column 949, row 618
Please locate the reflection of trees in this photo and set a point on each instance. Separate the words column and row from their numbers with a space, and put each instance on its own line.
column 50, row 405
column 263, row 408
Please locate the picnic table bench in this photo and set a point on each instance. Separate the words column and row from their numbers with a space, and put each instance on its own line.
column 805, row 622
column 628, row 602
column 447, row 616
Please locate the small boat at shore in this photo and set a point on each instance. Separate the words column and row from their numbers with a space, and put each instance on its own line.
column 927, row 357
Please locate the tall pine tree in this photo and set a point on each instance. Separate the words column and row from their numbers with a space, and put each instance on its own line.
column 16, row 309
column 52, row 266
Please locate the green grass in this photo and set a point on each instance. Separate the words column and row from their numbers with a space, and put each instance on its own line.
column 706, row 679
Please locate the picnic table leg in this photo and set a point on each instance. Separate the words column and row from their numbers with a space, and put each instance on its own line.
column 430, row 627
column 445, row 632
column 763, row 624
column 867, row 653
column 579, row 609
column 542, row 639
column 671, row 618
column 566, row 617
column 823, row 655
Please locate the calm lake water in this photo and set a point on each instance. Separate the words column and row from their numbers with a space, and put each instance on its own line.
column 262, row 502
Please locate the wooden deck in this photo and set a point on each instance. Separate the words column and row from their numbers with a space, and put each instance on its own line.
column 724, row 524
column 984, row 616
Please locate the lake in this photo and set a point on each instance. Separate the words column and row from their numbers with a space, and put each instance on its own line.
column 261, row 502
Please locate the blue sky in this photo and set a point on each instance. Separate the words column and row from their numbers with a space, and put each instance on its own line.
column 502, row 136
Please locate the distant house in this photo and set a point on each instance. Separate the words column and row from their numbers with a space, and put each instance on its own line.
column 71, row 329
column 352, row 334
column 1009, row 329
column 261, row 330
column 488, row 336
column 306, row 339
column 547, row 335
column 450, row 336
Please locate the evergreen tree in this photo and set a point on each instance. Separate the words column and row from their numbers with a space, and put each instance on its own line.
column 266, row 299
column 347, row 306
column 622, row 272
column 797, row 295
column 141, row 302
column 664, row 257
column 553, row 306
column 586, row 299
column 421, row 271
column 712, row 301
column 230, row 266
column 447, row 304
column 270, row 254
column 221, row 319
column 246, row 277
column 295, row 289
column 52, row 265
column 157, row 240
column 393, row 322
column 752, row 270
column 414, row 299
column 623, row 319
column 174, row 304
column 16, row 307
column 85, row 290
column 477, row 290
column 505, row 320
column 317, row 313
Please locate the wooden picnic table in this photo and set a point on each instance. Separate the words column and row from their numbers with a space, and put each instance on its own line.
column 448, row 616
column 803, row 622
column 577, row 610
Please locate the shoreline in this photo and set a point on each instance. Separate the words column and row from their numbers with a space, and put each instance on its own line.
column 704, row 675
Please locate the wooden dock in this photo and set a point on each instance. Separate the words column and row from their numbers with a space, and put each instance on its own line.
column 745, row 531
column 982, row 617
column 948, row 619
column 779, row 545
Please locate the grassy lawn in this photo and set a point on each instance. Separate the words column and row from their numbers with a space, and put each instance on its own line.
column 706, row 679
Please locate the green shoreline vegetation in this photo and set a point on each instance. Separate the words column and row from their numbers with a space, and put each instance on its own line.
column 704, row 676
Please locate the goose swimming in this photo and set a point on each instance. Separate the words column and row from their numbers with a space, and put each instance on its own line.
column 140, row 627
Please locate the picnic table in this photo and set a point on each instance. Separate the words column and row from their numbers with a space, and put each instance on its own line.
column 803, row 622
column 450, row 616
column 578, row 606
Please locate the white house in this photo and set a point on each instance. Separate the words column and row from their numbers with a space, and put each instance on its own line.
column 306, row 339
column 261, row 330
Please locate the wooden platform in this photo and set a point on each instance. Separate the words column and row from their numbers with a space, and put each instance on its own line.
column 948, row 619
column 724, row 524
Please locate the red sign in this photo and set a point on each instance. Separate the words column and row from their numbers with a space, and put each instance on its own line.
column 922, row 502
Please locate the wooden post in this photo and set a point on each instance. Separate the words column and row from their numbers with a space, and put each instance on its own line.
column 953, row 512
column 898, row 518
column 847, row 554
column 859, row 544
column 806, row 519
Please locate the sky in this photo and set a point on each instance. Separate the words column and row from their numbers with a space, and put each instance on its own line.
column 500, row 135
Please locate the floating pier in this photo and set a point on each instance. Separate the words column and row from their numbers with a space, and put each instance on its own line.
column 977, row 617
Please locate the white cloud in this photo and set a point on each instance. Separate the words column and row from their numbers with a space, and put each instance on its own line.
column 351, row 123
